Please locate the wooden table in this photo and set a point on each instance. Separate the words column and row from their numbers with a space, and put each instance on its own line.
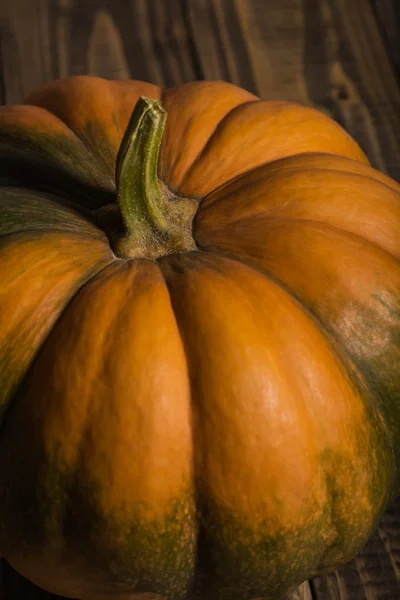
column 341, row 56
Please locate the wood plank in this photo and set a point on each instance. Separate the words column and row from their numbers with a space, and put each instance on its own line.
column 331, row 86
column 373, row 74
column 141, row 39
column 26, row 59
column 388, row 18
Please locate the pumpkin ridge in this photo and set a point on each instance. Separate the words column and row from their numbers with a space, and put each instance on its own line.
column 208, row 201
column 76, row 137
column 361, row 370
column 42, row 110
column 24, row 152
column 39, row 210
column 89, row 131
column 329, row 334
column 239, row 543
column 159, row 262
column 209, row 141
column 224, row 144
column 10, row 402
column 50, row 229
column 81, row 140
column 216, row 88
column 299, row 221
column 81, row 192
column 143, row 541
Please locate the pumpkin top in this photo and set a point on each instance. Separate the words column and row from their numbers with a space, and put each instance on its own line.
column 224, row 416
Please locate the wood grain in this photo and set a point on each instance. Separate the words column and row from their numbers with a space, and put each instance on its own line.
column 388, row 18
column 340, row 56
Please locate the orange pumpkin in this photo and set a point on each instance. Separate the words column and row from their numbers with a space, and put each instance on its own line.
column 199, row 342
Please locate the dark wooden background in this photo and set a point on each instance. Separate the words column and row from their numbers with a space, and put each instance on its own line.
column 341, row 56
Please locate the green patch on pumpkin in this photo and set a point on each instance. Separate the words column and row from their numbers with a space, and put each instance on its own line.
column 39, row 160
column 133, row 551
column 22, row 209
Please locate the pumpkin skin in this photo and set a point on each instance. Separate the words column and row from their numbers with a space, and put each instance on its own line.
column 217, row 423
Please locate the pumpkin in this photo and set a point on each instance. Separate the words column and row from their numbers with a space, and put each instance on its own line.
column 199, row 342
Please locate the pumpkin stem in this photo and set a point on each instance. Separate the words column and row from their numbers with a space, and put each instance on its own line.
column 155, row 222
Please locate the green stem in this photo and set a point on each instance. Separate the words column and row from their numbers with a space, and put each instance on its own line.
column 155, row 222
column 139, row 195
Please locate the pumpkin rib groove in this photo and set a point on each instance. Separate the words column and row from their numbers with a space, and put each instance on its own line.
column 330, row 336
column 328, row 332
column 196, row 479
column 210, row 140
column 94, row 139
column 79, row 140
column 82, row 234
column 49, row 228
column 166, row 91
column 29, row 152
column 117, row 265
column 51, row 201
column 11, row 401
column 42, row 109
column 334, row 535
column 82, row 195
column 255, row 267
column 363, row 168
column 123, row 534
column 357, row 378
column 66, row 201
column 208, row 202
column 299, row 221
column 339, row 137
column 78, row 196
column 184, row 346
